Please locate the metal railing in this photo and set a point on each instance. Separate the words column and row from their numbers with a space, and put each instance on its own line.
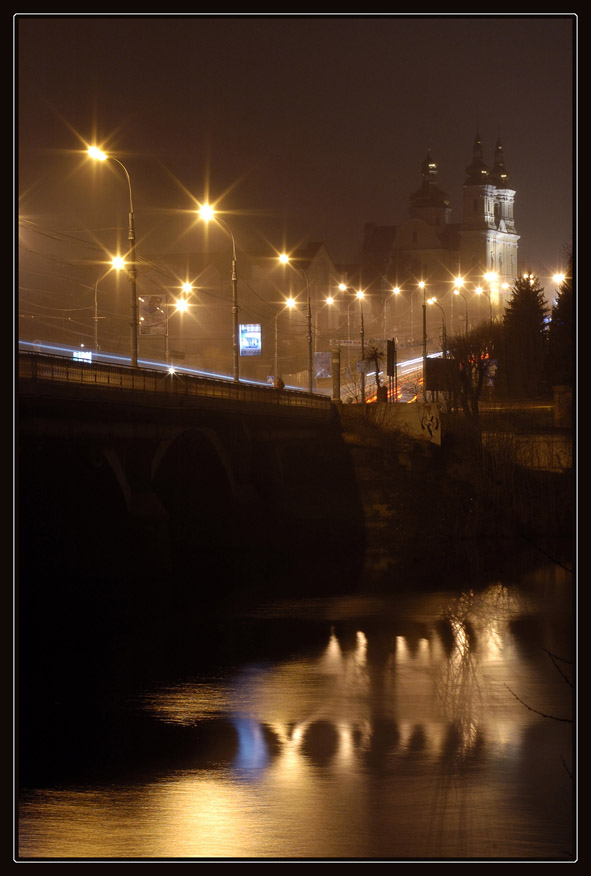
column 58, row 369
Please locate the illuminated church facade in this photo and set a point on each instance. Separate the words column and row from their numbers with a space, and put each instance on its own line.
column 478, row 256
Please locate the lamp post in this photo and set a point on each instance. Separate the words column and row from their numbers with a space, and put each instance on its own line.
column 117, row 263
column 457, row 292
column 182, row 305
column 359, row 295
column 395, row 291
column 480, row 291
column 424, row 306
column 285, row 259
column 444, row 328
column 290, row 304
column 207, row 213
column 98, row 155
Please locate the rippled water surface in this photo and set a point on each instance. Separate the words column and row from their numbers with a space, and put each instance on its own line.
column 424, row 726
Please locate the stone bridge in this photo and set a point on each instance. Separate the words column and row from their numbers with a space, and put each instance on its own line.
column 142, row 476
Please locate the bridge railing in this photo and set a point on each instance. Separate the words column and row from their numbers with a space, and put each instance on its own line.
column 57, row 369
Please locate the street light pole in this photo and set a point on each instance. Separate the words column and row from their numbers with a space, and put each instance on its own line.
column 362, row 338
column 207, row 213
column 457, row 292
column 98, row 155
column 444, row 328
column 480, row 291
column 116, row 263
column 395, row 291
column 285, row 259
column 422, row 286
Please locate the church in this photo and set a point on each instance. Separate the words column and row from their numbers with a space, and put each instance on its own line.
column 469, row 267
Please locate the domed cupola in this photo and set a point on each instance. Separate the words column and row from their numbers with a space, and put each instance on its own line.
column 429, row 202
column 498, row 175
column 477, row 171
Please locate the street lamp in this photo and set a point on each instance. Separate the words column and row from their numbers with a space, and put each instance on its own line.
column 117, row 263
column 289, row 304
column 395, row 292
column 285, row 259
column 424, row 306
column 359, row 295
column 457, row 292
column 444, row 328
column 480, row 291
column 98, row 155
column 207, row 213
column 181, row 305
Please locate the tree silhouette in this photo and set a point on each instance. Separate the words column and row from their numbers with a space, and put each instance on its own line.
column 560, row 364
column 472, row 355
column 525, row 337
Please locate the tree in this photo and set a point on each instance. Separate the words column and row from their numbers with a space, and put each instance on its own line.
column 374, row 355
column 472, row 357
column 560, row 364
column 525, row 337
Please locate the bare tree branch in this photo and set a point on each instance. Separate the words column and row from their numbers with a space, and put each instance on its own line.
column 543, row 715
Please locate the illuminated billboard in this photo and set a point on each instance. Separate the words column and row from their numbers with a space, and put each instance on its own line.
column 250, row 339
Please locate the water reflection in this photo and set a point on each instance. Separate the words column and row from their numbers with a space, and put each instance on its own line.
column 401, row 738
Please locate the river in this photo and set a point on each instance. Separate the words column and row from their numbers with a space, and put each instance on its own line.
column 428, row 724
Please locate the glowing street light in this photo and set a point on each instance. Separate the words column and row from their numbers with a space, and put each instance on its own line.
column 99, row 155
column 461, row 294
column 285, row 259
column 207, row 213
column 395, row 293
column 444, row 327
column 289, row 305
column 181, row 305
column 480, row 291
column 424, row 306
column 359, row 296
column 117, row 263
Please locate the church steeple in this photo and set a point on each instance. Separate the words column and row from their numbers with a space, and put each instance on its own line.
column 429, row 202
column 499, row 176
column 477, row 171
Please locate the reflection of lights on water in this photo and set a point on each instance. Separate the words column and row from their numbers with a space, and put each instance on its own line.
column 361, row 648
column 333, row 655
column 493, row 642
column 252, row 753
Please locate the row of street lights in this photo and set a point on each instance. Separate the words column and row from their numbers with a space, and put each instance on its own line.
column 207, row 213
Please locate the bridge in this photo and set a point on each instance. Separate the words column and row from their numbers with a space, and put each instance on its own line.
column 138, row 475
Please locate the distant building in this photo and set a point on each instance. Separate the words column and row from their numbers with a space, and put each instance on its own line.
column 429, row 247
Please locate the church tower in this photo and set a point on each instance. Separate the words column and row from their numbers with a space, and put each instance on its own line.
column 505, row 254
column 430, row 203
column 487, row 233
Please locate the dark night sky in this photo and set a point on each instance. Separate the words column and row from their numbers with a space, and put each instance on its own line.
column 305, row 128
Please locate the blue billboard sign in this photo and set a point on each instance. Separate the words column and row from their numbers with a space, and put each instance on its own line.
column 250, row 339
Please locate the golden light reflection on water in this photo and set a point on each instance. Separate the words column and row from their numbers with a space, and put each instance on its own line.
column 342, row 754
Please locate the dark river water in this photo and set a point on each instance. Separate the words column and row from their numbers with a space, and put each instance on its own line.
column 428, row 725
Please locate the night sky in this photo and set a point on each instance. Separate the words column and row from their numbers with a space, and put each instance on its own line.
column 302, row 128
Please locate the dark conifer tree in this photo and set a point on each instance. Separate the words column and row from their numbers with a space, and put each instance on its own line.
column 526, row 337
column 560, row 366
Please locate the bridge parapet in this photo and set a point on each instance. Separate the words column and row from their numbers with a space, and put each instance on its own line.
column 57, row 370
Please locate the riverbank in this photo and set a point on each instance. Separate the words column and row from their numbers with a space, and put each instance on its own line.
column 434, row 511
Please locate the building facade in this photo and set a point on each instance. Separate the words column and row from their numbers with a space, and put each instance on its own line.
column 477, row 257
